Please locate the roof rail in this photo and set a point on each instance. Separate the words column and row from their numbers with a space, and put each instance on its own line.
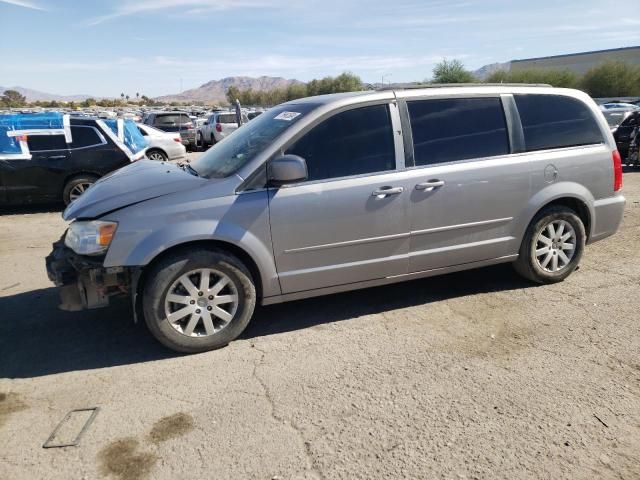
column 449, row 85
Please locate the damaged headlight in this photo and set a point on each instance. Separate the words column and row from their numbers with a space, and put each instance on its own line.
column 90, row 238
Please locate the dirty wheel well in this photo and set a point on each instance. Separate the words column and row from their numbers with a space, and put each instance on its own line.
column 234, row 250
column 577, row 206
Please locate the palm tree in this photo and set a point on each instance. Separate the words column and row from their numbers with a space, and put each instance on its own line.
column 127, row 97
column 137, row 96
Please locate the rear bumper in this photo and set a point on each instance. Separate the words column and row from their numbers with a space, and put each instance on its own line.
column 188, row 138
column 84, row 283
column 608, row 213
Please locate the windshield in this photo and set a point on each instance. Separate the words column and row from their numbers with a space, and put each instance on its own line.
column 242, row 146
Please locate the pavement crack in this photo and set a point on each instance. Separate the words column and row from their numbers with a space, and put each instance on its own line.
column 306, row 445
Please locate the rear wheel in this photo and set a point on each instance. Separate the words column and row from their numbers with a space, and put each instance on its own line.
column 198, row 300
column 157, row 155
column 76, row 187
column 552, row 246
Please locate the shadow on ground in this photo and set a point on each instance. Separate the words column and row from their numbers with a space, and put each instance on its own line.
column 28, row 209
column 37, row 339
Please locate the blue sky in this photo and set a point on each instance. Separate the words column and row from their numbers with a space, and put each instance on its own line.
column 104, row 47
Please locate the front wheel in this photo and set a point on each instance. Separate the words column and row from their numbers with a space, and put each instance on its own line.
column 552, row 246
column 199, row 300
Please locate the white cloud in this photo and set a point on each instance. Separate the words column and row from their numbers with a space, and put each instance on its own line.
column 23, row 3
column 146, row 6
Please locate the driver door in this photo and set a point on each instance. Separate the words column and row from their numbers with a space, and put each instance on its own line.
column 348, row 222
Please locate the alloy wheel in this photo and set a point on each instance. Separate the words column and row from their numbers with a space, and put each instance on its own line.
column 157, row 156
column 78, row 190
column 201, row 302
column 555, row 245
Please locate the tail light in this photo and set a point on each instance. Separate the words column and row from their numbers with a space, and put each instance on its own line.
column 218, row 127
column 177, row 139
column 617, row 171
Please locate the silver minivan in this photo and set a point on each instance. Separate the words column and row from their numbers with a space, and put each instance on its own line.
column 345, row 191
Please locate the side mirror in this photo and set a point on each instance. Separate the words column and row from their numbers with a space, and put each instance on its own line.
column 287, row 169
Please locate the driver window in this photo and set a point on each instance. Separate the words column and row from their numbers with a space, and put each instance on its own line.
column 353, row 142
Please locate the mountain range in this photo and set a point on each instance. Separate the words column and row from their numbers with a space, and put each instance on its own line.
column 215, row 91
column 35, row 95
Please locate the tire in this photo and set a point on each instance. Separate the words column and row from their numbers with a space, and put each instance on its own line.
column 157, row 155
column 76, row 186
column 188, row 332
column 537, row 264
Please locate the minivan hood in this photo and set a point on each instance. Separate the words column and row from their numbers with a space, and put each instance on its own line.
column 135, row 183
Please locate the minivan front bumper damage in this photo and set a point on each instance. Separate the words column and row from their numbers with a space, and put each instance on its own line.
column 84, row 282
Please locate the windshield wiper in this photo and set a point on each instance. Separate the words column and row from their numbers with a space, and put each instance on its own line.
column 189, row 168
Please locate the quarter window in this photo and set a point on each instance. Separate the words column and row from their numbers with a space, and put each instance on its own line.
column 354, row 142
column 84, row 137
column 554, row 121
column 448, row 130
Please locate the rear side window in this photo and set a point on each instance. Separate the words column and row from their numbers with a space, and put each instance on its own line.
column 354, row 142
column 172, row 120
column 554, row 121
column 447, row 130
column 40, row 143
column 84, row 137
column 227, row 118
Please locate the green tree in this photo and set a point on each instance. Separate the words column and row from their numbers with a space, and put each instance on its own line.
column 612, row 79
column 88, row 102
column 451, row 72
column 296, row 90
column 561, row 78
column 347, row 82
column 232, row 93
column 13, row 98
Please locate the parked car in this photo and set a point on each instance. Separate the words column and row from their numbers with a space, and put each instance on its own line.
column 51, row 168
column 162, row 146
column 174, row 122
column 619, row 105
column 346, row 191
column 252, row 115
column 622, row 134
column 218, row 126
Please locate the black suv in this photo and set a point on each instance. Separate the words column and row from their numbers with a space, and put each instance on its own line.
column 174, row 122
column 57, row 170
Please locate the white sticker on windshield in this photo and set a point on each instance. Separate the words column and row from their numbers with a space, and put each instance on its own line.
column 286, row 116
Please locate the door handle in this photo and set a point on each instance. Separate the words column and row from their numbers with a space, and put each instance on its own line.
column 384, row 191
column 56, row 157
column 431, row 184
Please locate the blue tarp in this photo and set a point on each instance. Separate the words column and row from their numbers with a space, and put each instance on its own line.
column 33, row 121
column 133, row 139
column 8, row 145
column 25, row 121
